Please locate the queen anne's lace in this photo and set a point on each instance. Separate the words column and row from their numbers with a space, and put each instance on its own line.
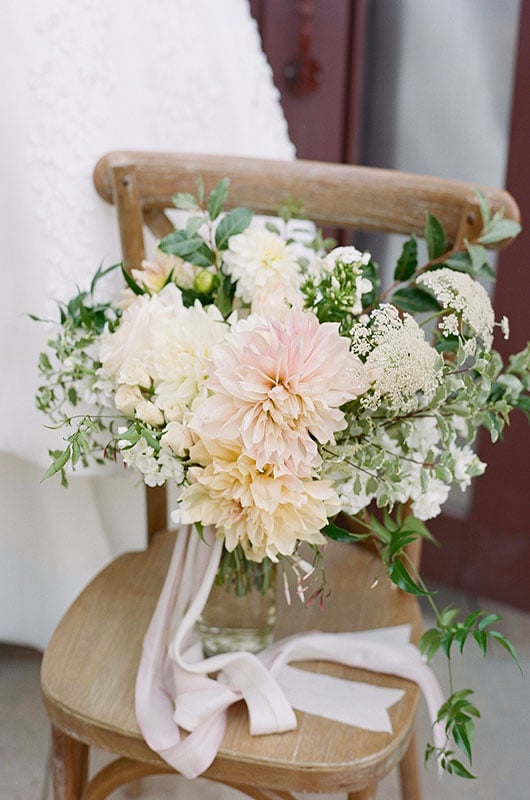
column 466, row 300
column 406, row 370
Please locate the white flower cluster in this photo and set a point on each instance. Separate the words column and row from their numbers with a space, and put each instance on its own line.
column 353, row 259
column 156, row 468
column 154, row 368
column 407, row 463
column 406, row 370
column 470, row 312
column 155, row 364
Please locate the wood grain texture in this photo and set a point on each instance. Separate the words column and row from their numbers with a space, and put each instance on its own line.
column 340, row 195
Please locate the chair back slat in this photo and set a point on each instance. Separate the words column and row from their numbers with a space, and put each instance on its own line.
column 339, row 195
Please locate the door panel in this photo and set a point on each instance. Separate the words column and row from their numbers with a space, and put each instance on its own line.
column 322, row 123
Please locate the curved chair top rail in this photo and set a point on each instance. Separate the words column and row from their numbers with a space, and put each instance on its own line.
column 340, row 195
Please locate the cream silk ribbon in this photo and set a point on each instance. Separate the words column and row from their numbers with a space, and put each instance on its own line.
column 174, row 690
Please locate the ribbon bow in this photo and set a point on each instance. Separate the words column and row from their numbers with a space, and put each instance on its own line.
column 174, row 689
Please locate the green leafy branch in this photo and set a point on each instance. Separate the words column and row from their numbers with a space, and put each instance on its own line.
column 79, row 449
column 393, row 537
column 468, row 256
column 68, row 367
column 210, row 285
column 476, row 626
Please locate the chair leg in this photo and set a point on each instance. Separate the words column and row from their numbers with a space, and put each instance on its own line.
column 69, row 766
column 409, row 773
column 364, row 794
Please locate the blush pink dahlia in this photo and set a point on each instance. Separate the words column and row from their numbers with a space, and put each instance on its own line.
column 277, row 388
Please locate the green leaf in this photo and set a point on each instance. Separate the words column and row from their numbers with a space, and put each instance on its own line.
column 172, row 238
column 400, row 540
column 499, row 231
column 508, row 646
column 461, row 262
column 131, row 283
column 471, row 619
column 193, row 225
column 338, row 534
column 408, row 261
column 380, row 530
column 418, row 527
column 44, row 362
column 225, row 296
column 489, row 619
column 194, row 249
column 430, row 643
column 236, row 221
column 478, row 256
column 434, row 237
column 486, row 272
column 463, row 738
column 100, row 273
column 485, row 210
column 200, row 530
column 291, row 208
column 389, row 523
column 481, row 638
column 217, row 198
column 398, row 574
column 185, row 201
column 58, row 464
column 151, row 440
column 414, row 300
column 456, row 767
column 270, row 226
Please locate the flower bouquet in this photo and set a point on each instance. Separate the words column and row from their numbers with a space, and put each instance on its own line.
column 293, row 400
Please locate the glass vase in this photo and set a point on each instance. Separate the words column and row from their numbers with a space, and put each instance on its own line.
column 241, row 609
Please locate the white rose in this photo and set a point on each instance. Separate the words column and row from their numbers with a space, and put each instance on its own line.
column 177, row 438
column 147, row 412
column 172, row 407
column 135, row 373
column 127, row 399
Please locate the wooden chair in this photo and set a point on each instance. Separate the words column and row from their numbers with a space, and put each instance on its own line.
column 90, row 664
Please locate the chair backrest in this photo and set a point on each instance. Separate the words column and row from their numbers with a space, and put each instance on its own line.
column 142, row 184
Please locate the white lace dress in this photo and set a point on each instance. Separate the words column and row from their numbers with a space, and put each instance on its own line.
column 80, row 79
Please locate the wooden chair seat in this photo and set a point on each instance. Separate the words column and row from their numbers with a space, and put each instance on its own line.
column 89, row 670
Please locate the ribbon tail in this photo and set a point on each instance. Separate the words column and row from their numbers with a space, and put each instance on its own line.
column 195, row 753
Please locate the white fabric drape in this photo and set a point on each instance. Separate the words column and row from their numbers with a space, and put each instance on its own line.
column 80, row 79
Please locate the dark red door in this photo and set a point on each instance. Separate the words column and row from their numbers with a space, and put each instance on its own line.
column 316, row 54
